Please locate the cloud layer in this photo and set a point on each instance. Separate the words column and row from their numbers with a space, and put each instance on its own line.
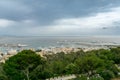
column 59, row 17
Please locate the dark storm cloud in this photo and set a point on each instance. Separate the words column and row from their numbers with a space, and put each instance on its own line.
column 45, row 11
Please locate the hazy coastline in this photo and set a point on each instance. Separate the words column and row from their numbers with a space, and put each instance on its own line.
column 10, row 46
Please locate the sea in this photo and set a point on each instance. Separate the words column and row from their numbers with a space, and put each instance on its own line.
column 40, row 42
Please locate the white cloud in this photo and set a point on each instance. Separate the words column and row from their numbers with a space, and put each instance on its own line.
column 6, row 23
column 98, row 21
column 12, row 23
column 82, row 25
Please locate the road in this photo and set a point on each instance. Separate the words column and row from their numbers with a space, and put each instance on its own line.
column 63, row 77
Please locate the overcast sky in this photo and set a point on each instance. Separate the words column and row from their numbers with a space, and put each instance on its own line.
column 59, row 17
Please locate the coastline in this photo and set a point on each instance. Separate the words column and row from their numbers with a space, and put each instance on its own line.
column 53, row 50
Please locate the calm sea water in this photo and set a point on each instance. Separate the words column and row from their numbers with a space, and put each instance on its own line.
column 46, row 42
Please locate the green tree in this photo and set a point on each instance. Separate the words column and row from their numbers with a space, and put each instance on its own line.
column 71, row 68
column 2, row 73
column 20, row 66
column 89, row 64
column 107, row 74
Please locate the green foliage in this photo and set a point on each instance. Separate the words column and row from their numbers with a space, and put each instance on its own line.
column 30, row 66
column 107, row 74
column 2, row 73
column 71, row 68
column 89, row 64
column 21, row 65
